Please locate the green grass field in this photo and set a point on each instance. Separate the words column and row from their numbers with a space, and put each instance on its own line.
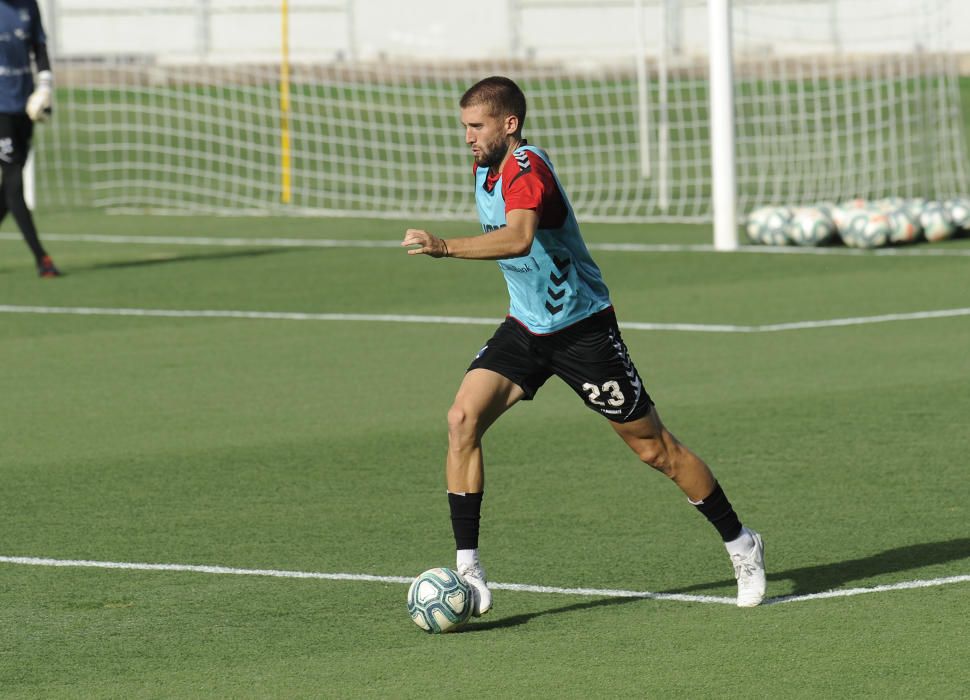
column 317, row 446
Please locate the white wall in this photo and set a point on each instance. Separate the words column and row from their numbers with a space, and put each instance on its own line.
column 475, row 30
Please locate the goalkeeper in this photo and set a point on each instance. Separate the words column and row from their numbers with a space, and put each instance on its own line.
column 22, row 102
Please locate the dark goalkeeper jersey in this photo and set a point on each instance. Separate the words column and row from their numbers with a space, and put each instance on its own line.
column 20, row 31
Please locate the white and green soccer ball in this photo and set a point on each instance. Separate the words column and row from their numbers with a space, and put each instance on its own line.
column 439, row 601
column 888, row 204
column 810, row 226
column 959, row 211
column 936, row 222
column 840, row 217
column 903, row 226
column 768, row 225
column 915, row 206
column 865, row 228
column 857, row 203
column 845, row 211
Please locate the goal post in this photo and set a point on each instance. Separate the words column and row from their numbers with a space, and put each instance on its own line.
column 654, row 111
column 723, row 165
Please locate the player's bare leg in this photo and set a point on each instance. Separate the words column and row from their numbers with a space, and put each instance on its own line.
column 656, row 446
column 483, row 396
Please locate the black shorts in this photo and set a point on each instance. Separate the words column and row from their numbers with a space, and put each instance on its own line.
column 590, row 356
column 16, row 131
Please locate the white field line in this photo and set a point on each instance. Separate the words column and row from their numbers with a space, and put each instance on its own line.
column 521, row 587
column 779, row 250
column 229, row 241
column 607, row 593
column 847, row 592
column 471, row 320
column 213, row 241
column 251, row 315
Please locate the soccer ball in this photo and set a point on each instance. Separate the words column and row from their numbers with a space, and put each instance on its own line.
column 936, row 222
column 810, row 226
column 915, row 206
column 768, row 225
column 840, row 217
column 864, row 228
column 843, row 213
column 903, row 226
column 959, row 211
column 439, row 601
column 888, row 204
column 857, row 203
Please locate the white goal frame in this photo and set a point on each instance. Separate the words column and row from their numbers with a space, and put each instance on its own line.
column 196, row 125
column 723, row 164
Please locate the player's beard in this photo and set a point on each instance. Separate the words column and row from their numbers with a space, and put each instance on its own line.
column 492, row 156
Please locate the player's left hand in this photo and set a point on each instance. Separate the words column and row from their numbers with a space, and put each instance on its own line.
column 428, row 244
column 39, row 102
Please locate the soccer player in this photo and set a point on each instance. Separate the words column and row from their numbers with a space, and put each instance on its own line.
column 560, row 322
column 21, row 104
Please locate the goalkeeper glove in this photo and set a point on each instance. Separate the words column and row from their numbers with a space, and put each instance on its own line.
column 39, row 102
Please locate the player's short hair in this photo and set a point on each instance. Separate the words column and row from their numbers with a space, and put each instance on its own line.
column 501, row 95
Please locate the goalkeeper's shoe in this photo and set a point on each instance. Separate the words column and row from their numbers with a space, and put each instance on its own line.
column 749, row 570
column 46, row 268
column 474, row 576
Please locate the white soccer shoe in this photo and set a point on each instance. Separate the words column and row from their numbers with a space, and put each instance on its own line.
column 474, row 576
column 749, row 570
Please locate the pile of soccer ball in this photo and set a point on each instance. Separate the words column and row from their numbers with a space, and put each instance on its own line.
column 859, row 223
column 439, row 600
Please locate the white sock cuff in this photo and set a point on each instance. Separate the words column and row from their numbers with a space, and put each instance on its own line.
column 742, row 544
column 466, row 557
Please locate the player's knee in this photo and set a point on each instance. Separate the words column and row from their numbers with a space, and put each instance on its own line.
column 655, row 454
column 462, row 426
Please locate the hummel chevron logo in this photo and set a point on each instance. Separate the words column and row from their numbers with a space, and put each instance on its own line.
column 522, row 159
column 558, row 280
column 624, row 356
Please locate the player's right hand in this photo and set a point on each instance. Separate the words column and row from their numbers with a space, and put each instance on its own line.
column 428, row 244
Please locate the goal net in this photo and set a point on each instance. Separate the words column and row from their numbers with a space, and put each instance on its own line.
column 233, row 106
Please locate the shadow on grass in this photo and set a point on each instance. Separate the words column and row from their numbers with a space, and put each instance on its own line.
column 824, row 577
column 516, row 620
column 807, row 579
column 190, row 258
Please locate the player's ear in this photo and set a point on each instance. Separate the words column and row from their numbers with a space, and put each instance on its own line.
column 511, row 125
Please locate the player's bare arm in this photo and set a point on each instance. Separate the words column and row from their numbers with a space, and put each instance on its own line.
column 510, row 241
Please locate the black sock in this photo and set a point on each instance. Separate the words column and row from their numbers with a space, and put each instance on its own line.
column 717, row 509
column 466, row 512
